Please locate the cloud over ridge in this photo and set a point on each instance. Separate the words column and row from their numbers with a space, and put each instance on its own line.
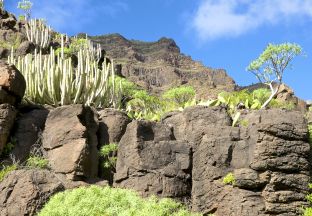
column 231, row 18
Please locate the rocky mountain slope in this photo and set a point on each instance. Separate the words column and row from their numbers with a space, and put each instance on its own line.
column 185, row 156
column 159, row 65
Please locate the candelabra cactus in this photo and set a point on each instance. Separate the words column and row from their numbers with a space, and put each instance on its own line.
column 51, row 79
column 38, row 32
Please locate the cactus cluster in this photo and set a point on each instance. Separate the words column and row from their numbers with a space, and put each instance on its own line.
column 52, row 79
column 38, row 32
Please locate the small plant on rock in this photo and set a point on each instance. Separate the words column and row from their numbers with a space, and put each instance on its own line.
column 6, row 170
column 37, row 162
column 229, row 179
column 8, row 147
column 308, row 211
column 310, row 133
column 108, row 153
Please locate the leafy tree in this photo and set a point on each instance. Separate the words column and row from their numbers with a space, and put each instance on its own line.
column 271, row 64
column 25, row 5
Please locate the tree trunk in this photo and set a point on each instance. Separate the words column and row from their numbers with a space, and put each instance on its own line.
column 273, row 94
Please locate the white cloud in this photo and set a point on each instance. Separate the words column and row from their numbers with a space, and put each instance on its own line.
column 230, row 18
column 71, row 15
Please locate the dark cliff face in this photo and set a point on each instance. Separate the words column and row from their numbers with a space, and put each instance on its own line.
column 160, row 65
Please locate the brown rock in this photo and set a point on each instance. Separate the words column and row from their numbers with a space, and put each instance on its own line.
column 112, row 125
column 269, row 158
column 152, row 162
column 25, row 48
column 71, row 142
column 159, row 65
column 7, row 117
column 12, row 80
column 24, row 192
column 28, row 131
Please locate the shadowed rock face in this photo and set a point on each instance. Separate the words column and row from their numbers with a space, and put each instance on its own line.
column 159, row 65
column 187, row 155
column 24, row 192
column 71, row 142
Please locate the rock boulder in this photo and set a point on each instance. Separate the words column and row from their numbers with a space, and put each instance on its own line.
column 71, row 142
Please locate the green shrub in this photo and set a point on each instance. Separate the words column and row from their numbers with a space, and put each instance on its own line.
column 308, row 211
column 6, row 170
column 37, row 162
column 100, row 201
column 144, row 106
column 8, row 147
column 310, row 133
column 229, row 179
column 108, row 153
column 180, row 96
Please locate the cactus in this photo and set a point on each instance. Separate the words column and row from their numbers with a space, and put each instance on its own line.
column 38, row 32
column 51, row 79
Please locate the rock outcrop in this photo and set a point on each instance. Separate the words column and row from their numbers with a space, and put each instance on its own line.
column 24, row 192
column 190, row 152
column 27, row 132
column 151, row 161
column 12, row 84
column 7, row 117
column 12, row 34
column 71, row 142
column 159, row 65
column 112, row 125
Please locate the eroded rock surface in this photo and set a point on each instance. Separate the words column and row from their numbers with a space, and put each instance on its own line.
column 269, row 157
column 28, row 132
column 159, row 65
column 12, row 84
column 7, row 117
column 24, row 192
column 112, row 125
column 71, row 142
column 151, row 161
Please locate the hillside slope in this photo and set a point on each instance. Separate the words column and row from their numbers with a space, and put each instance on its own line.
column 160, row 65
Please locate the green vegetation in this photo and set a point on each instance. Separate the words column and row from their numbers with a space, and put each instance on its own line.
column 108, row 153
column 310, row 133
column 37, row 162
column 74, row 47
column 308, row 211
column 1, row 4
column 13, row 41
column 244, row 122
column 144, row 106
column 248, row 100
column 229, row 179
column 149, row 107
column 6, row 170
column 51, row 79
column 8, row 147
column 25, row 6
column 271, row 64
column 97, row 200
column 180, row 96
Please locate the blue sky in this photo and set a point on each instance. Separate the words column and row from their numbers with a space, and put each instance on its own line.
column 226, row 34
